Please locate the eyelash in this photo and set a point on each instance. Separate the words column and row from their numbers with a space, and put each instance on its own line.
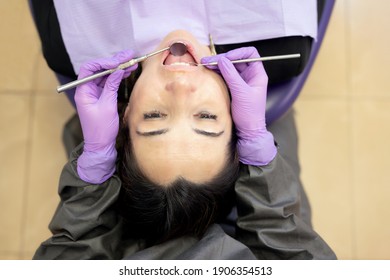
column 206, row 116
column 157, row 115
column 154, row 115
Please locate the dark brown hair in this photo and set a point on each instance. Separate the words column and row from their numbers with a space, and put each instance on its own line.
column 157, row 213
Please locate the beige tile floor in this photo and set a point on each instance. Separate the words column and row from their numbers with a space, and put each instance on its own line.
column 343, row 117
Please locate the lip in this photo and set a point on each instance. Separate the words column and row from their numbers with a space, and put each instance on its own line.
column 191, row 51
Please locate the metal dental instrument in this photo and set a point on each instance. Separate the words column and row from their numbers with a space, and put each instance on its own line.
column 176, row 49
column 265, row 58
column 179, row 49
column 212, row 47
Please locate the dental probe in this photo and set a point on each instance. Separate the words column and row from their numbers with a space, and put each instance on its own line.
column 265, row 58
column 109, row 71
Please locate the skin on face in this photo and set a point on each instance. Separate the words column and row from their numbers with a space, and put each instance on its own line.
column 179, row 117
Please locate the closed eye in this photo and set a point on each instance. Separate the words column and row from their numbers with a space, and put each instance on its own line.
column 154, row 115
column 205, row 115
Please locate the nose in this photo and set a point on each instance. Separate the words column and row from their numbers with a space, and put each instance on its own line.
column 181, row 86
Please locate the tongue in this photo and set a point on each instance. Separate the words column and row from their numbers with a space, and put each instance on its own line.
column 184, row 58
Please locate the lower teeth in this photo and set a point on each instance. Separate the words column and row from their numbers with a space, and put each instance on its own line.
column 182, row 63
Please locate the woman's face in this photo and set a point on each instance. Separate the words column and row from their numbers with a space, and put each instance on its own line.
column 179, row 116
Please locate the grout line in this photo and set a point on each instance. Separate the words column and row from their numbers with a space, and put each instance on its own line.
column 43, row 92
column 348, row 96
column 14, row 92
column 6, row 254
column 27, row 167
column 351, row 127
column 324, row 97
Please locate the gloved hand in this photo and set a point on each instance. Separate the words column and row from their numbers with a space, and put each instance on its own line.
column 248, row 87
column 96, row 103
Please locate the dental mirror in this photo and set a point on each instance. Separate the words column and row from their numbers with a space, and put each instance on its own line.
column 178, row 49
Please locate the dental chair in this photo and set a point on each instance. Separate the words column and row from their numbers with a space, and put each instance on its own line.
column 281, row 96
column 280, row 99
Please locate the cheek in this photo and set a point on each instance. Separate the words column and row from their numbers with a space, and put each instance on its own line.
column 220, row 95
column 219, row 85
column 141, row 96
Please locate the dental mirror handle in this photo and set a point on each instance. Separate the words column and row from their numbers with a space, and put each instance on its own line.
column 76, row 83
column 122, row 66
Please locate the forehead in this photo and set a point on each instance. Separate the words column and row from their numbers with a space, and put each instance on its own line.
column 169, row 158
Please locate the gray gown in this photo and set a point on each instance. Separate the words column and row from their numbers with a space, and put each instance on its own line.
column 271, row 219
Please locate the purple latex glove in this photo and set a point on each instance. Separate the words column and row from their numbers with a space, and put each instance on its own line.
column 96, row 103
column 248, row 87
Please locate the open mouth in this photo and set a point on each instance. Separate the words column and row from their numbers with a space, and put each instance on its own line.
column 186, row 59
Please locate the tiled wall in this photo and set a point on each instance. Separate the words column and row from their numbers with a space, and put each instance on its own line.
column 343, row 117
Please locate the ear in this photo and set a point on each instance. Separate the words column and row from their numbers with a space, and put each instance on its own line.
column 126, row 114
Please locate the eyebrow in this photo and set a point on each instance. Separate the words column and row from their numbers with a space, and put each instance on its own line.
column 153, row 133
column 163, row 131
column 207, row 133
